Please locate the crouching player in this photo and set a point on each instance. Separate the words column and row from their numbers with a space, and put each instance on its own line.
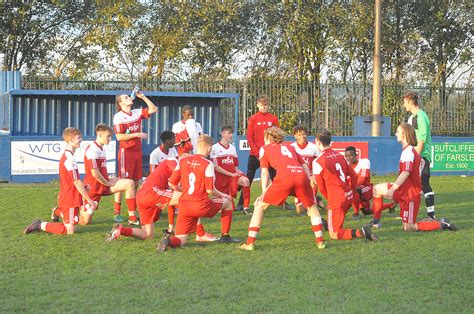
column 292, row 178
column 229, row 179
column 407, row 188
column 71, row 190
column 153, row 196
column 331, row 173
column 196, row 175
column 97, row 178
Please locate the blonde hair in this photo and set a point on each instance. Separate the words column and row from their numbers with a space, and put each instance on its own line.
column 276, row 135
column 205, row 139
column 409, row 134
column 118, row 100
column 70, row 132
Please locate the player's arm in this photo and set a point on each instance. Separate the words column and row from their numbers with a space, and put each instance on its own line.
column 422, row 134
column 223, row 171
column 318, row 178
column 250, row 134
column 265, row 176
column 151, row 106
column 82, row 190
column 127, row 137
column 353, row 175
column 99, row 177
column 175, row 178
column 400, row 180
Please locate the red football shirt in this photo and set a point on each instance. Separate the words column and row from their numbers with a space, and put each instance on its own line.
column 68, row 196
column 94, row 158
column 226, row 158
column 283, row 158
column 410, row 161
column 362, row 169
column 129, row 123
column 331, row 172
column 160, row 176
column 196, row 175
column 257, row 124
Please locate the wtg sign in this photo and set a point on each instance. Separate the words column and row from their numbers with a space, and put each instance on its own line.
column 42, row 157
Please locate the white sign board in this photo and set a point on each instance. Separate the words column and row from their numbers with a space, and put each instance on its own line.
column 244, row 145
column 42, row 157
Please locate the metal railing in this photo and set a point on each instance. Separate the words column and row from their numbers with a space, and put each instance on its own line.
column 316, row 105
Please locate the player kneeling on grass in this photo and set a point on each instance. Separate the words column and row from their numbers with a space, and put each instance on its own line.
column 292, row 178
column 70, row 190
column 196, row 175
column 331, row 172
column 407, row 188
column 229, row 179
column 154, row 195
column 97, row 179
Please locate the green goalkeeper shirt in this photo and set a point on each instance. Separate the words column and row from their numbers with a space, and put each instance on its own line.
column 421, row 123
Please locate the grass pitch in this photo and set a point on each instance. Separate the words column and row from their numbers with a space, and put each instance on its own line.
column 403, row 272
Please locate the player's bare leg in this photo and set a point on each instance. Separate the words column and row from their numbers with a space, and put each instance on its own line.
column 380, row 190
column 244, row 183
column 255, row 223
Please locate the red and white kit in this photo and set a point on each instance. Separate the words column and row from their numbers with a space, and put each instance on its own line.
column 130, row 152
column 362, row 169
column 95, row 158
column 155, row 194
column 336, row 181
column 226, row 158
column 408, row 194
column 187, row 133
column 290, row 177
column 69, row 198
column 308, row 153
column 257, row 124
column 158, row 155
column 196, row 175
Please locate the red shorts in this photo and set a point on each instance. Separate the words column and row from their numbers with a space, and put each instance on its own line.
column 229, row 186
column 189, row 213
column 408, row 208
column 151, row 202
column 129, row 164
column 336, row 217
column 97, row 196
column 70, row 215
column 367, row 193
column 279, row 190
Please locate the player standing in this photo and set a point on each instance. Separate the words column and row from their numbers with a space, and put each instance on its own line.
column 406, row 189
column 97, row 178
column 153, row 196
column 128, row 130
column 196, row 175
column 331, row 173
column 229, row 179
column 292, row 178
column 187, row 131
column 308, row 152
column 71, row 190
column 421, row 123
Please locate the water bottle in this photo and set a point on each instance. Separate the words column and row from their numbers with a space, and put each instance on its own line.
column 134, row 92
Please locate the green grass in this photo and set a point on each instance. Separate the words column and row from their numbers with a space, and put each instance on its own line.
column 403, row 272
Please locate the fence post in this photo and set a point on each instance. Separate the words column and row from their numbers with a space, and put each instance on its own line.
column 327, row 106
column 244, row 105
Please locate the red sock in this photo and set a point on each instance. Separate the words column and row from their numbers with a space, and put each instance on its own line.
column 246, row 196
column 377, row 204
column 226, row 221
column 117, row 208
column 200, row 230
column 131, row 204
column 253, row 232
column 175, row 242
column 56, row 228
column 128, row 232
column 317, row 227
column 347, row 234
column 387, row 206
column 171, row 211
column 429, row 225
column 356, row 203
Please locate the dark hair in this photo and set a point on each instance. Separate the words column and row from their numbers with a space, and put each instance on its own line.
column 409, row 133
column 299, row 128
column 186, row 108
column 411, row 97
column 102, row 128
column 263, row 99
column 351, row 149
column 227, row 128
column 166, row 136
column 324, row 137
